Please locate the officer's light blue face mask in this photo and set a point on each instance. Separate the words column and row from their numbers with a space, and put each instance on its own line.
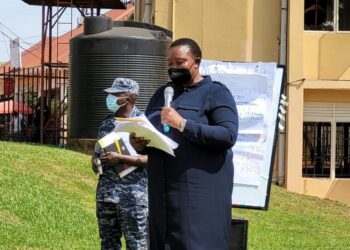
column 112, row 103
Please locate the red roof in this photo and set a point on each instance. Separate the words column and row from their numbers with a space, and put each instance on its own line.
column 60, row 45
column 8, row 107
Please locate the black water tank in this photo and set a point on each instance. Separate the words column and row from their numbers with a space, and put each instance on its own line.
column 105, row 51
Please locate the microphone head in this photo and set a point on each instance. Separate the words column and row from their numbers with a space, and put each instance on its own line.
column 168, row 96
column 169, row 91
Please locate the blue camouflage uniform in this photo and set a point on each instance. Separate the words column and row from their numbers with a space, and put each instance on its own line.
column 121, row 203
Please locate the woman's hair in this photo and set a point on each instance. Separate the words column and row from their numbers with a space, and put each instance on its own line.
column 195, row 50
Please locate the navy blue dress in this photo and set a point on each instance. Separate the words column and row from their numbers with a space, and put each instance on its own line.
column 190, row 194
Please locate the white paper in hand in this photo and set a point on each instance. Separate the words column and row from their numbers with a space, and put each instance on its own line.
column 142, row 127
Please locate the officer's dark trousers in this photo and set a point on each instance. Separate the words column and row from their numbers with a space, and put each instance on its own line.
column 114, row 220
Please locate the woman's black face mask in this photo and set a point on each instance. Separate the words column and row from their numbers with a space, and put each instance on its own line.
column 180, row 76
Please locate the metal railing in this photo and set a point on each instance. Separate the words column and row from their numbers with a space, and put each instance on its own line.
column 20, row 115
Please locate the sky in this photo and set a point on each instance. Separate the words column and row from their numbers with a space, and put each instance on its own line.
column 18, row 19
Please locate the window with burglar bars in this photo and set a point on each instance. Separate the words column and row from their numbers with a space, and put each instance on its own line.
column 317, row 144
column 326, row 136
column 342, row 166
column 316, row 149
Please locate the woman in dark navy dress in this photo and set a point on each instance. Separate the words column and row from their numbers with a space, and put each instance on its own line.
column 190, row 194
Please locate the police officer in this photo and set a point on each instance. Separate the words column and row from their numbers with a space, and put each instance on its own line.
column 121, row 203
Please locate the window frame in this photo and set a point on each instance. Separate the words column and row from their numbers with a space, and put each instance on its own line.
column 335, row 21
column 341, row 146
column 333, row 120
column 331, row 149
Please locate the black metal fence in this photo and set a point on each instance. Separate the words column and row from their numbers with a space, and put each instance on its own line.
column 20, row 105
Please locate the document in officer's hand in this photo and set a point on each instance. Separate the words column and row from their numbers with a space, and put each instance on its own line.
column 118, row 142
column 142, row 127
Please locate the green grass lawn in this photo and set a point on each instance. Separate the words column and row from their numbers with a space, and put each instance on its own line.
column 47, row 202
column 47, row 198
column 298, row 222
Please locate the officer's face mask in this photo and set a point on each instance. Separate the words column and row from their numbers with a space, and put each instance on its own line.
column 112, row 102
column 180, row 76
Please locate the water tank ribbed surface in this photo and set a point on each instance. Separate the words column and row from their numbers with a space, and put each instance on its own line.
column 131, row 50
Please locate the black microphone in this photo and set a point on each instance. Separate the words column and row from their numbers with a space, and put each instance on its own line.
column 168, row 97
